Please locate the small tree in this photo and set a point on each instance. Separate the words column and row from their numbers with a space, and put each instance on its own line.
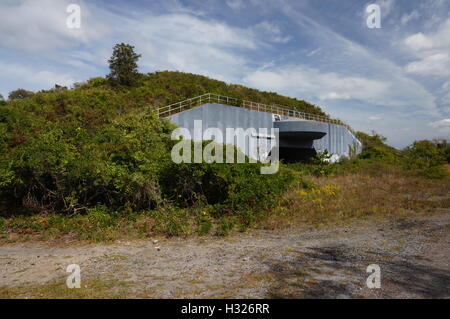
column 123, row 65
column 2, row 100
column 59, row 88
column 19, row 94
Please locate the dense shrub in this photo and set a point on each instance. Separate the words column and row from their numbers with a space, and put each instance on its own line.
column 375, row 148
column 427, row 158
column 424, row 154
column 424, row 158
column 72, row 150
column 231, row 187
column 68, row 166
column 434, row 172
column 19, row 94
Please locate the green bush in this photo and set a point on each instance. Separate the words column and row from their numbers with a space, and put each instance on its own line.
column 435, row 172
column 225, row 226
column 69, row 167
column 67, row 151
column 232, row 187
column 424, row 154
column 101, row 216
column 204, row 225
column 170, row 221
column 375, row 149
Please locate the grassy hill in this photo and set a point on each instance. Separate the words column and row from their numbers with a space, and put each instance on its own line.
column 166, row 87
column 69, row 150
column 163, row 88
column 95, row 161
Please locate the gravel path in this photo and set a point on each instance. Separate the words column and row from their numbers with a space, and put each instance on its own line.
column 330, row 262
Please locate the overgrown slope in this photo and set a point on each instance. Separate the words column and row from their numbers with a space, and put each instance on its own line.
column 68, row 150
column 100, row 155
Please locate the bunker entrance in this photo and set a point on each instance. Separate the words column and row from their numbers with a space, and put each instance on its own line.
column 293, row 155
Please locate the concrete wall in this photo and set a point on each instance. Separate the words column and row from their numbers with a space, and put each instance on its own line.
column 338, row 140
column 222, row 117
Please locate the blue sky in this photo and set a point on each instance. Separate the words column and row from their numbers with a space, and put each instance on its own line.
column 394, row 80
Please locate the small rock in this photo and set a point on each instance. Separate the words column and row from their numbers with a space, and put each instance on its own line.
column 155, row 242
column 158, row 248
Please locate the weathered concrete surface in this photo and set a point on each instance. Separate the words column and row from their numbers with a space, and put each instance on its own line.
column 294, row 133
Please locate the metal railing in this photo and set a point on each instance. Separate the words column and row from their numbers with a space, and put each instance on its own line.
column 216, row 98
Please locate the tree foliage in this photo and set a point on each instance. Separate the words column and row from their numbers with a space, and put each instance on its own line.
column 444, row 145
column 375, row 148
column 19, row 94
column 123, row 65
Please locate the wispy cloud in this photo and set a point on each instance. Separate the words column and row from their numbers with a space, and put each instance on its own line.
column 20, row 76
column 432, row 50
column 40, row 26
column 235, row 4
column 408, row 17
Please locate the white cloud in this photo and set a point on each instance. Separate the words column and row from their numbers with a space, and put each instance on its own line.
column 39, row 26
column 432, row 50
column 335, row 96
column 419, row 41
column 178, row 41
column 406, row 18
column 436, row 64
column 314, row 52
column 351, row 63
column 235, row 4
column 174, row 41
column 441, row 123
column 270, row 32
column 442, row 126
column 386, row 7
column 191, row 44
column 20, row 76
column 184, row 28
column 310, row 83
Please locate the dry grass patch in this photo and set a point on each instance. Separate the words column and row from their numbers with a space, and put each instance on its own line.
column 340, row 198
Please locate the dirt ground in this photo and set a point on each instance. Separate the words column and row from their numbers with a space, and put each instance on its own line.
column 413, row 254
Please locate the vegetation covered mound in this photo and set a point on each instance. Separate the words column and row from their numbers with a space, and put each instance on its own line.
column 68, row 150
column 97, row 151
